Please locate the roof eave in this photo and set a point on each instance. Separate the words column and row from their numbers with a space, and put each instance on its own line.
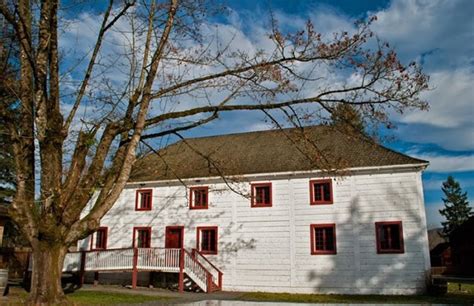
column 417, row 167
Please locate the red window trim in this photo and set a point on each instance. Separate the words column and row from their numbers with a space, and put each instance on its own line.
column 191, row 197
column 312, row 195
column 138, row 228
column 106, row 236
column 137, row 198
column 253, row 196
column 198, row 239
column 378, row 242
column 313, row 241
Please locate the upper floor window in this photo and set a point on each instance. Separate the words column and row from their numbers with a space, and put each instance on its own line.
column 261, row 195
column 142, row 237
column 323, row 239
column 143, row 199
column 100, row 241
column 389, row 237
column 207, row 239
column 198, row 198
column 321, row 192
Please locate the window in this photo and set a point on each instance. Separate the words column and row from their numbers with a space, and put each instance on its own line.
column 323, row 239
column 100, row 241
column 142, row 237
column 198, row 198
column 207, row 239
column 320, row 192
column 389, row 237
column 261, row 195
column 143, row 199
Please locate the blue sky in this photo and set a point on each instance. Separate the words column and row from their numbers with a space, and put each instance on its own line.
column 438, row 34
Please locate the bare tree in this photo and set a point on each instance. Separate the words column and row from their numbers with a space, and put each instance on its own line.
column 178, row 76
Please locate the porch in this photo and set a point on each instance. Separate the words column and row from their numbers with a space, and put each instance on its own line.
column 192, row 263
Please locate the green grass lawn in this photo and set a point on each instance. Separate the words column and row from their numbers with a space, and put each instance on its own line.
column 454, row 296
column 466, row 289
column 84, row 297
column 110, row 298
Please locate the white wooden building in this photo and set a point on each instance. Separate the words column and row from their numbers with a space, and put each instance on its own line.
column 278, row 223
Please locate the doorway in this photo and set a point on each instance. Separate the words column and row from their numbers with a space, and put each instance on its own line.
column 174, row 237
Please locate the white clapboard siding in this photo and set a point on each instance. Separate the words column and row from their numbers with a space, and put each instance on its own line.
column 268, row 248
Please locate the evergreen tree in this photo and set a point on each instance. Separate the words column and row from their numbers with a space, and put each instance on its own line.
column 347, row 117
column 456, row 206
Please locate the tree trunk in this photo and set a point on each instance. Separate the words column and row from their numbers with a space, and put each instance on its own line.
column 46, row 286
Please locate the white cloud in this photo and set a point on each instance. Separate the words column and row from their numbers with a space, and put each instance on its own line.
column 446, row 163
column 443, row 29
column 449, row 122
column 455, row 139
column 439, row 35
column 451, row 101
column 433, row 217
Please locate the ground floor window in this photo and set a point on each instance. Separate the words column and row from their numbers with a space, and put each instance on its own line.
column 323, row 239
column 99, row 239
column 141, row 237
column 389, row 237
column 207, row 239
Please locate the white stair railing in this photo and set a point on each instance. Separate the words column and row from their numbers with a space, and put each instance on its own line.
column 206, row 263
column 196, row 272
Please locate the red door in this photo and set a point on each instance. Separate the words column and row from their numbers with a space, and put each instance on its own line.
column 174, row 237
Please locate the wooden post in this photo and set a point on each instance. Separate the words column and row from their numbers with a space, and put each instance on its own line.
column 82, row 269
column 134, row 268
column 209, row 282
column 27, row 275
column 220, row 280
column 181, row 270
column 96, row 278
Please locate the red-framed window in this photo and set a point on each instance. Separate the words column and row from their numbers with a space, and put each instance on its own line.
column 142, row 237
column 323, row 239
column 261, row 195
column 320, row 192
column 389, row 236
column 206, row 241
column 99, row 239
column 143, row 199
column 198, row 197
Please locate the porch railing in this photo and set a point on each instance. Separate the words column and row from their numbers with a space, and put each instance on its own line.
column 167, row 260
column 194, row 264
column 108, row 260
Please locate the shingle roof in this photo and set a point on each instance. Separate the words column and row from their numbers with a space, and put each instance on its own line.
column 286, row 150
